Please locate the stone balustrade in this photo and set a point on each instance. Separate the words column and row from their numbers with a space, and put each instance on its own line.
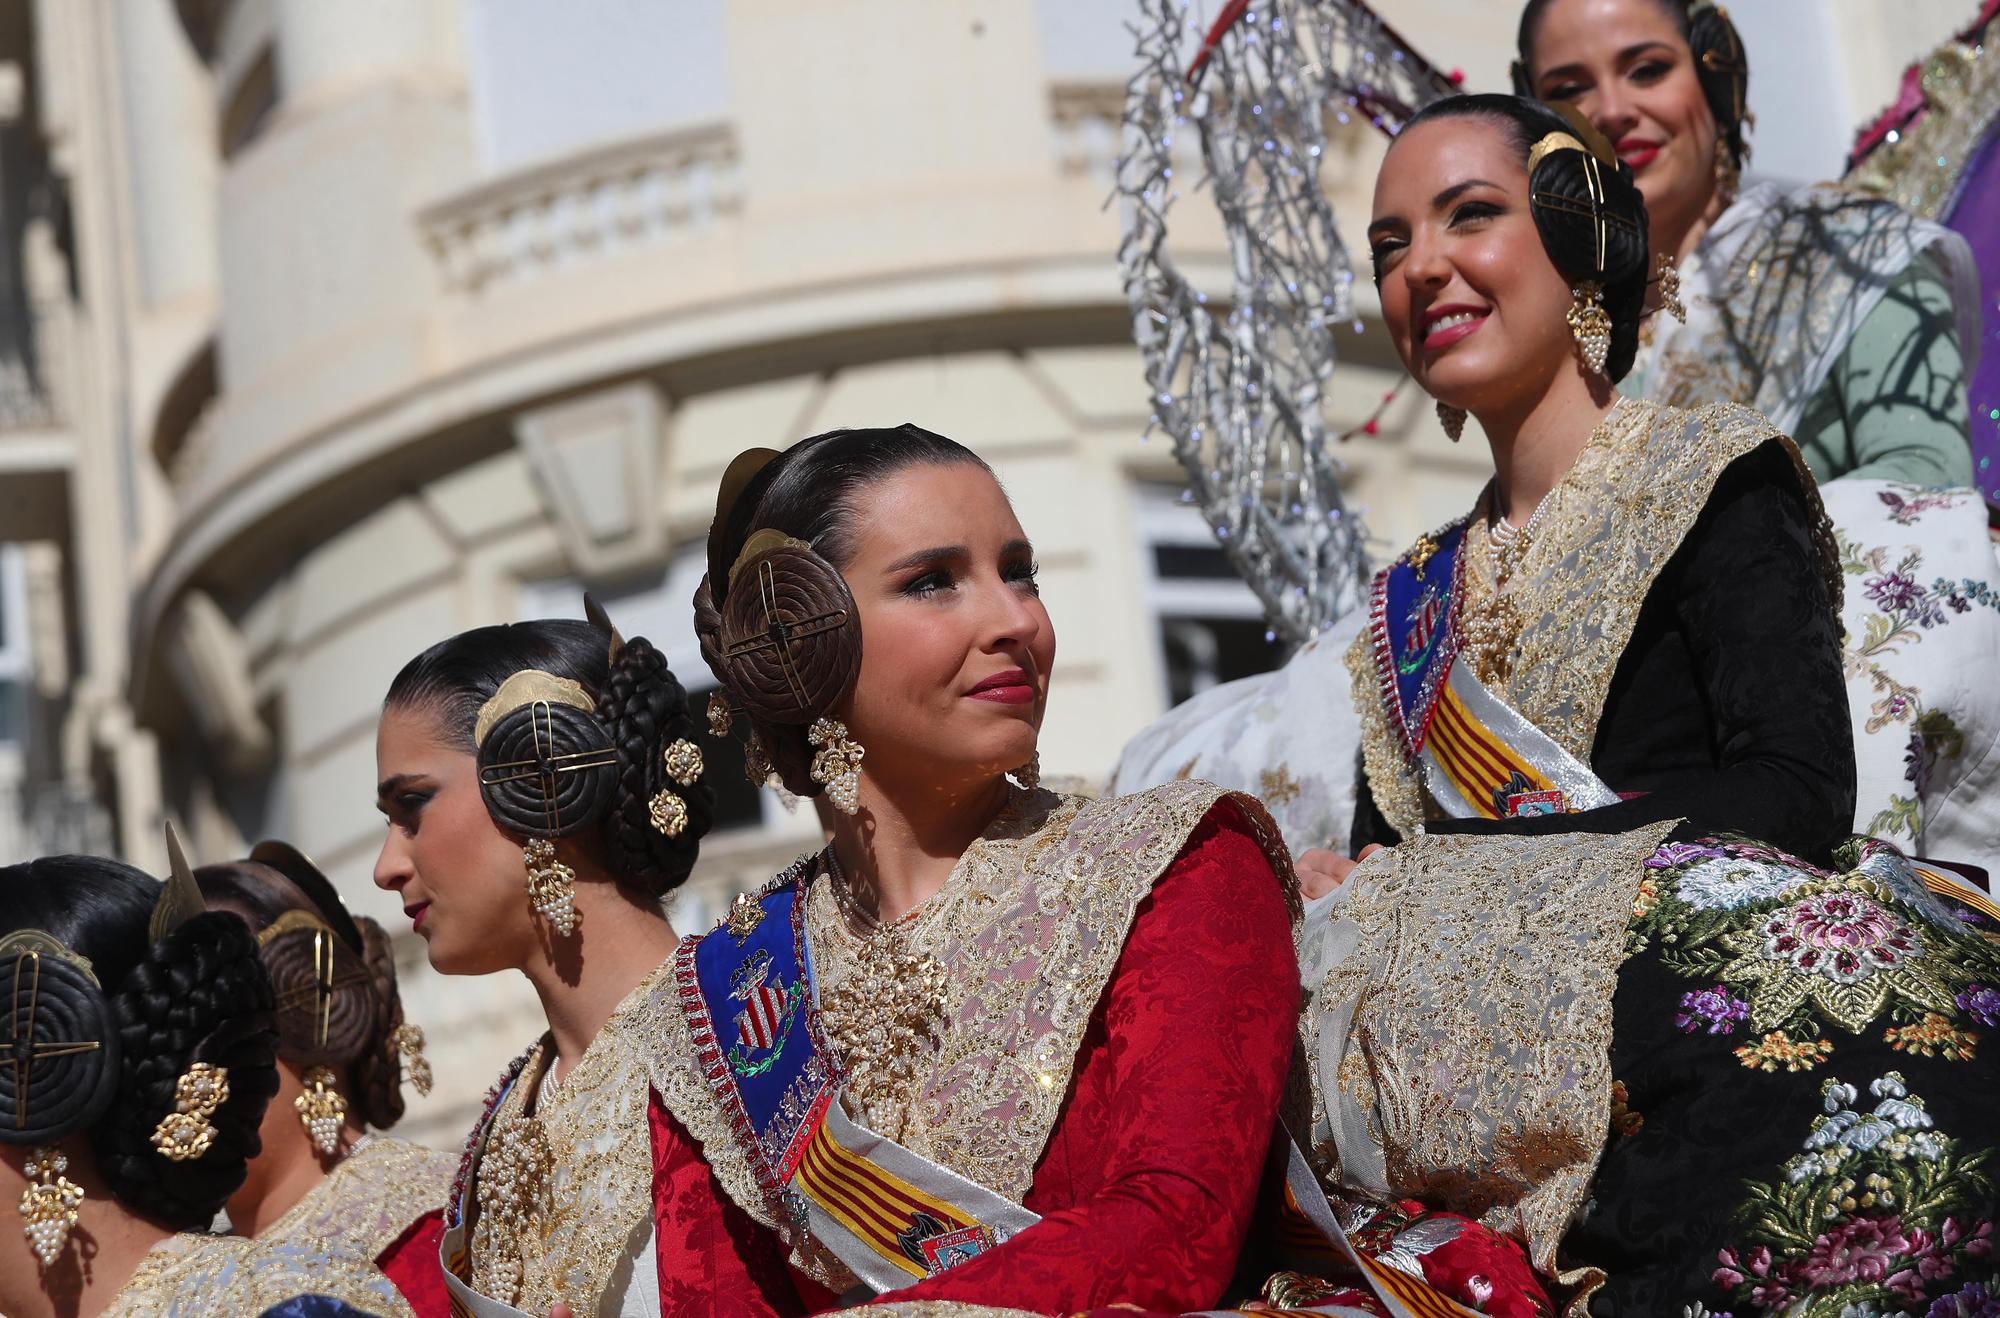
column 651, row 189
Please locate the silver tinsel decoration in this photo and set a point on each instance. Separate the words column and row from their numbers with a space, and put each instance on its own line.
column 1237, row 381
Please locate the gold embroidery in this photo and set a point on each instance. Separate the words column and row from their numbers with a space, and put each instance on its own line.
column 597, row 1206
column 1029, row 929
column 1778, row 1049
column 1934, row 1036
column 1611, row 525
column 190, row 1273
column 1462, row 1042
column 369, row 1199
column 1277, row 786
column 1840, row 950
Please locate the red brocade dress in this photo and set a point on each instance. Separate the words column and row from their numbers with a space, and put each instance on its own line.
column 1147, row 1182
column 1119, row 1013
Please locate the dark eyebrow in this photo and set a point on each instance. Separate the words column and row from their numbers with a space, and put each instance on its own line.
column 1438, row 203
column 1624, row 56
column 393, row 784
column 1013, row 547
column 923, row 556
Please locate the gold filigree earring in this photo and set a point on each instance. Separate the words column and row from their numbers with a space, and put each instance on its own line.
column 720, row 717
column 321, row 1110
column 187, row 1132
column 1029, row 775
column 551, row 885
column 408, row 1040
column 1728, row 176
column 49, row 1205
column 1670, row 288
column 836, row 763
column 1453, row 421
column 756, row 764
column 1590, row 323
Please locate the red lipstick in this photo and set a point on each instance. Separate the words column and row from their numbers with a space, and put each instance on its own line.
column 1638, row 152
column 1013, row 687
column 1464, row 319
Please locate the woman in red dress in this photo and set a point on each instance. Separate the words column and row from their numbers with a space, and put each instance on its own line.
column 994, row 1043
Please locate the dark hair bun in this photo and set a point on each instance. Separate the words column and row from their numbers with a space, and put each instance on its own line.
column 52, row 1002
column 311, row 1032
column 377, row 1071
column 200, row 994
column 536, row 745
column 1723, row 68
column 644, row 709
column 783, row 745
column 789, row 646
column 1579, row 202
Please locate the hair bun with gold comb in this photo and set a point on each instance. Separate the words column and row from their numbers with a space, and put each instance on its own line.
column 59, row 1055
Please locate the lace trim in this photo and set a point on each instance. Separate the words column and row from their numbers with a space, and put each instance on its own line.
column 599, row 1195
column 191, row 1273
column 1462, row 1037
column 370, row 1198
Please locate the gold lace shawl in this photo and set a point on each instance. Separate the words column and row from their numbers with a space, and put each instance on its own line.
column 368, row 1200
column 1461, row 1037
column 600, row 1202
column 596, row 1123
column 1610, row 526
column 189, row 1275
column 1037, row 914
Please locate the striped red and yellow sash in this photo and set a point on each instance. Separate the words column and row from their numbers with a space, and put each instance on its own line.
column 1483, row 768
column 885, row 1212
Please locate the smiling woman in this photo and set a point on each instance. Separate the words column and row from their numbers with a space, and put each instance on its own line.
column 1605, row 747
column 1862, row 358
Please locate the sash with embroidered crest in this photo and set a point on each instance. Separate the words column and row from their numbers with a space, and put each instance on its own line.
column 891, row 1216
column 1477, row 756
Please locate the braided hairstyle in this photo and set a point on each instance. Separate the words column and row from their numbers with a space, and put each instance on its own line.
column 363, row 1008
column 1570, row 193
column 1720, row 64
column 807, row 493
column 639, row 710
column 198, row 994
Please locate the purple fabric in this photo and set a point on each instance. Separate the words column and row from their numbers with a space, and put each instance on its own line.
column 1971, row 215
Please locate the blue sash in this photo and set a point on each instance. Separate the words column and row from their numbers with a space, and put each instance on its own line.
column 890, row 1216
column 1414, row 629
column 746, row 988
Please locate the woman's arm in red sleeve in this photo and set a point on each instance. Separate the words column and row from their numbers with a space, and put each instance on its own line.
column 1200, row 1018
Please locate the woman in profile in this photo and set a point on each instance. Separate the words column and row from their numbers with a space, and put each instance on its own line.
column 992, row 1043
column 326, row 1174
column 140, row 1051
column 545, row 796
column 1662, row 1041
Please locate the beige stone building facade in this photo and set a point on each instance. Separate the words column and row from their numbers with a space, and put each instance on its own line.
column 333, row 328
